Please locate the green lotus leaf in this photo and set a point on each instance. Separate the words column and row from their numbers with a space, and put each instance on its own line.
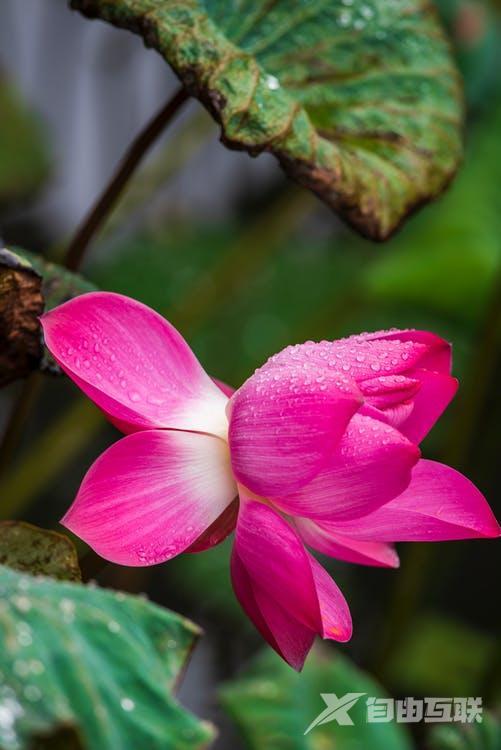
column 86, row 668
column 275, row 707
column 359, row 100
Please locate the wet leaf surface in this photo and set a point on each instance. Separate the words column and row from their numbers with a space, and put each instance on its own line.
column 273, row 706
column 359, row 100
column 94, row 667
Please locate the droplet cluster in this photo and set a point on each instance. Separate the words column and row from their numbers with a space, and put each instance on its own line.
column 52, row 631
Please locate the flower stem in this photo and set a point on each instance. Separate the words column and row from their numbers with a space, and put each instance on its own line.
column 243, row 261
column 76, row 251
column 138, row 148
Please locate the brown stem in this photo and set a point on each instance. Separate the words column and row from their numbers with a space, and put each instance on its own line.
column 76, row 251
column 98, row 214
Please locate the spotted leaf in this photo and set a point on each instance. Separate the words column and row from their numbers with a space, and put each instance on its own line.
column 90, row 669
column 358, row 99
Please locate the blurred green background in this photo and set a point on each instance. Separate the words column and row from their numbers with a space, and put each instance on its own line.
column 273, row 268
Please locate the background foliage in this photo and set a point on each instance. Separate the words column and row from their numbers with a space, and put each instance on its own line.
column 277, row 267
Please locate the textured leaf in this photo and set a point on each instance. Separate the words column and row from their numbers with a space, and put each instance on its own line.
column 457, row 240
column 273, row 706
column 22, row 148
column 38, row 551
column 358, row 99
column 21, row 303
column 91, row 664
column 29, row 285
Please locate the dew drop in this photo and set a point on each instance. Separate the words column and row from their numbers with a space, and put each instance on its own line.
column 22, row 603
column 21, row 668
column 272, row 83
column 344, row 18
column 127, row 704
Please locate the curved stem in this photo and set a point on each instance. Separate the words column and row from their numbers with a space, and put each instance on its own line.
column 242, row 261
column 76, row 252
column 98, row 214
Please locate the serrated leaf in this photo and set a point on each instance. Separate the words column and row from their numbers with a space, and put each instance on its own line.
column 99, row 664
column 38, row 551
column 29, row 285
column 273, row 706
column 358, row 99
column 22, row 148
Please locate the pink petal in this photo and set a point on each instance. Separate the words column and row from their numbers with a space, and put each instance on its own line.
column 284, row 425
column 418, row 411
column 359, row 358
column 291, row 640
column 439, row 504
column 282, row 572
column 151, row 495
column 217, row 531
column 438, row 354
column 334, row 610
column 276, row 561
column 324, row 538
column 387, row 391
column 135, row 366
column 228, row 390
column 435, row 394
column 370, row 466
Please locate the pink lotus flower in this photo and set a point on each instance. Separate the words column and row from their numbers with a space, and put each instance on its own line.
column 319, row 445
